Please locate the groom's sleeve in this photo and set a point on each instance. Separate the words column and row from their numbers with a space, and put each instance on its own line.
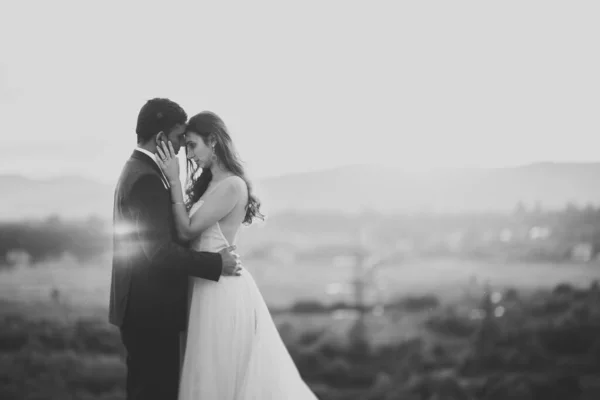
column 152, row 222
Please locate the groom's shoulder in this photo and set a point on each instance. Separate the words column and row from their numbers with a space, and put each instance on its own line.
column 138, row 175
column 146, row 180
column 136, row 168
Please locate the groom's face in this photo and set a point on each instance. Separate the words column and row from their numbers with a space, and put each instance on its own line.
column 176, row 136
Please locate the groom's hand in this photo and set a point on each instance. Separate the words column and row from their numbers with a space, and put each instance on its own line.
column 232, row 265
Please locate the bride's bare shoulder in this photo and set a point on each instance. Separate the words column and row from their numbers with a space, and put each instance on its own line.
column 237, row 183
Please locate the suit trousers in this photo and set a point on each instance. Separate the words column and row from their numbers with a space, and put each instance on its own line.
column 153, row 363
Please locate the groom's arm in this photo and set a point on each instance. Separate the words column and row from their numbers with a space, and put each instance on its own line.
column 150, row 214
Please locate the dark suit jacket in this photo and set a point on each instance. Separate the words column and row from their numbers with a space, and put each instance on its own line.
column 150, row 268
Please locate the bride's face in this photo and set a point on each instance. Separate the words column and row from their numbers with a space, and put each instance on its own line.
column 197, row 150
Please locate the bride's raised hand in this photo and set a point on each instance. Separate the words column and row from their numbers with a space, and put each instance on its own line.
column 167, row 161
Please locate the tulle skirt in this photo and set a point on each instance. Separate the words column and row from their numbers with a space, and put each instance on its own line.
column 233, row 350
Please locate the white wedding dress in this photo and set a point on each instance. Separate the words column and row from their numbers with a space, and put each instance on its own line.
column 233, row 350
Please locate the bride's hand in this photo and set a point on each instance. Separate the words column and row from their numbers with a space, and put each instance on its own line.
column 167, row 160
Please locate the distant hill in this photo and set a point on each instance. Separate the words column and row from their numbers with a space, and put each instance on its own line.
column 345, row 189
column 553, row 185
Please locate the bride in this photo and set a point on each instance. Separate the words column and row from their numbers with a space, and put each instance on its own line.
column 233, row 350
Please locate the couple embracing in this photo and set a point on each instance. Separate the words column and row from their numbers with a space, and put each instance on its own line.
column 192, row 320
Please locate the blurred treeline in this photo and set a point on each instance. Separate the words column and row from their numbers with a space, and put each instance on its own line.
column 524, row 235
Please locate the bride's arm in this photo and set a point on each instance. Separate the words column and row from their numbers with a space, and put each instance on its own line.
column 215, row 207
column 180, row 213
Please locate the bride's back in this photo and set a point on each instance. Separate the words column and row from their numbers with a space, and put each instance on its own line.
column 232, row 222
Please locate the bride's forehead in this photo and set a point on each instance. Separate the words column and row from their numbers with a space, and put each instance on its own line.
column 189, row 137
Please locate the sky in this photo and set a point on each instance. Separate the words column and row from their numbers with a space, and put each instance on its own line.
column 304, row 85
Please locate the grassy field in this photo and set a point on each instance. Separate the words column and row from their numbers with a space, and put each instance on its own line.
column 81, row 291
column 55, row 342
column 87, row 286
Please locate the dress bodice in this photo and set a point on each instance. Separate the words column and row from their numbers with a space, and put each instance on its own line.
column 212, row 239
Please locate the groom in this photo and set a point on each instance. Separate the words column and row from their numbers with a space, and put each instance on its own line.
column 149, row 288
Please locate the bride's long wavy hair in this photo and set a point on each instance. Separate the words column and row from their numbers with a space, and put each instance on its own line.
column 209, row 126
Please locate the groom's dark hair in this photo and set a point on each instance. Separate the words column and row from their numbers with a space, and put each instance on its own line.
column 158, row 115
